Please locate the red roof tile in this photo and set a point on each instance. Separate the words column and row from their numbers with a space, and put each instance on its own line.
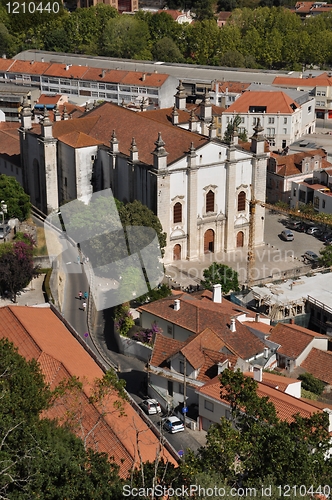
column 145, row 130
column 79, row 140
column 27, row 67
column 273, row 101
column 60, row 356
column 293, row 339
column 286, row 406
column 319, row 364
column 231, row 87
column 66, row 71
column 197, row 313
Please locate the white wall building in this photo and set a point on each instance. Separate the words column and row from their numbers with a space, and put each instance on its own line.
column 282, row 119
column 199, row 187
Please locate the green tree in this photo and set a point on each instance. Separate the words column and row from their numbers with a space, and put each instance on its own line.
column 126, row 37
column 203, row 9
column 203, row 42
column 137, row 214
column 16, row 266
column 38, row 459
column 123, row 319
column 232, row 128
column 311, row 383
column 166, row 50
column 17, row 201
column 255, row 445
column 223, row 275
column 326, row 256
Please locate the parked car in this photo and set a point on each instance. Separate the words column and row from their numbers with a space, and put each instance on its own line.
column 151, row 406
column 7, row 231
column 287, row 235
column 310, row 256
column 323, row 235
column 313, row 230
column 173, row 425
column 295, row 225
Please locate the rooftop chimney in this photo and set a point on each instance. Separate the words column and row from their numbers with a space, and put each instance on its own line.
column 232, row 325
column 257, row 317
column 266, row 352
column 176, row 305
column 258, row 373
column 216, row 295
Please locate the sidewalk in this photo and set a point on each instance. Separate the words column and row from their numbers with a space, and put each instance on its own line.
column 32, row 295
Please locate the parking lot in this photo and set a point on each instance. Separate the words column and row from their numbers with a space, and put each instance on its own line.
column 275, row 259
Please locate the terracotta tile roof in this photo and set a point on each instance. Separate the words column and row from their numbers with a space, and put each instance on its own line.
column 285, row 405
column 273, row 101
column 223, row 16
column 84, row 124
column 25, row 327
column 26, row 67
column 277, row 381
column 49, row 99
column 10, row 145
column 291, row 164
column 197, row 312
column 163, row 349
column 144, row 79
column 104, row 75
column 318, row 81
column 83, row 73
column 5, row 64
column 79, row 140
column 60, row 71
column 232, row 87
column 293, row 339
column 303, row 7
column 128, row 125
column 175, row 14
column 319, row 364
column 165, row 115
column 202, row 358
column 193, row 350
column 258, row 325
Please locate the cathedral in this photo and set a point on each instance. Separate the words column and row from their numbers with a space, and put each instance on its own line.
column 198, row 186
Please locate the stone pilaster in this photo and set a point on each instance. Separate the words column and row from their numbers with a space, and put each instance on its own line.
column 259, row 169
column 192, row 242
column 229, row 240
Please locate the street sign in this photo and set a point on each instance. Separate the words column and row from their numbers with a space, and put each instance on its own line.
column 180, row 453
column 185, row 409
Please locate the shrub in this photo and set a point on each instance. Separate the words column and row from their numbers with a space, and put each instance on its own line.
column 311, row 383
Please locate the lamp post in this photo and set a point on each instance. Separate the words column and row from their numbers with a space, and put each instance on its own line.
column 3, row 212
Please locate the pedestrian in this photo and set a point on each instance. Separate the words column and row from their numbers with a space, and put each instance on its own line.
column 78, row 259
column 80, row 295
column 86, row 295
column 84, row 306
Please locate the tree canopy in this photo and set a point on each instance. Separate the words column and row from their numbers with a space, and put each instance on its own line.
column 221, row 274
column 255, row 445
column 39, row 459
column 259, row 34
column 16, row 265
column 13, row 195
